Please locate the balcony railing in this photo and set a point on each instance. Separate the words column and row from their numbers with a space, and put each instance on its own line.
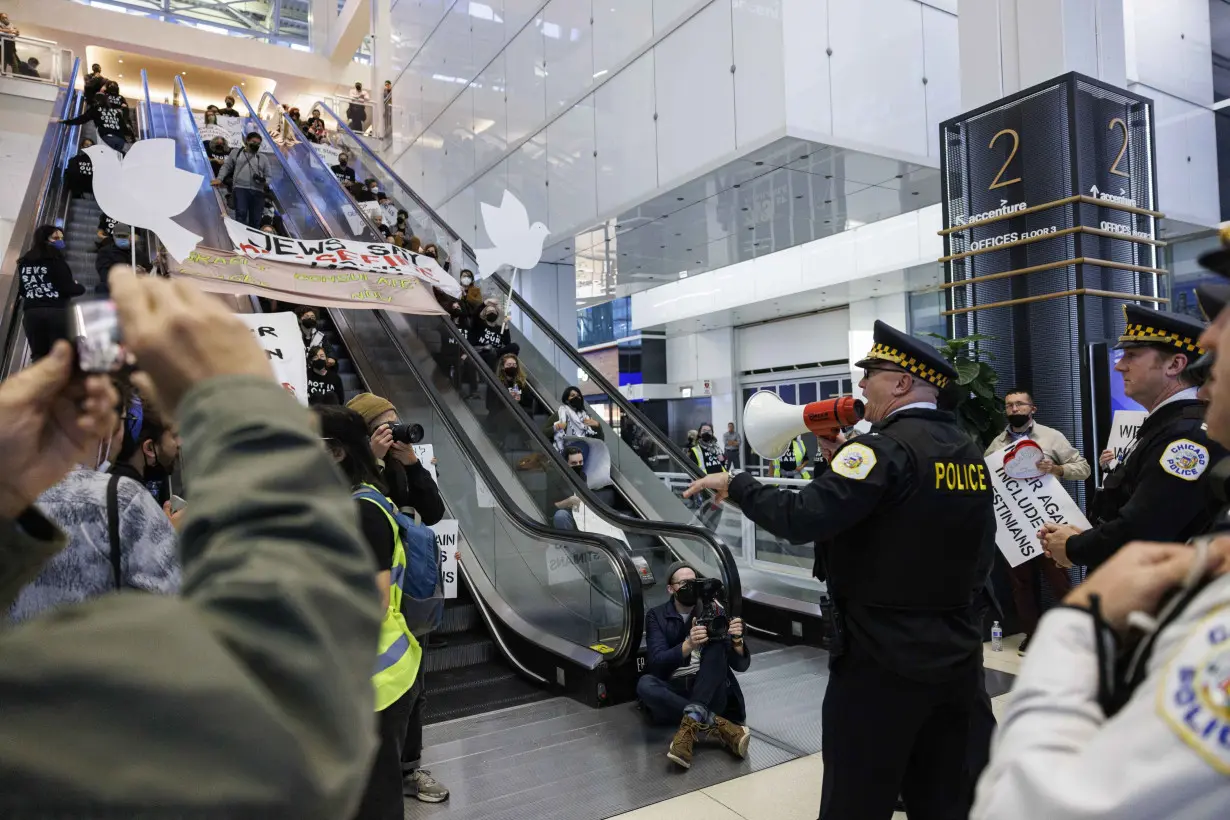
column 33, row 59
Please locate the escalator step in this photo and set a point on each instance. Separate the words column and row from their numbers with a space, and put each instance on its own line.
column 458, row 619
column 458, row 693
column 466, row 649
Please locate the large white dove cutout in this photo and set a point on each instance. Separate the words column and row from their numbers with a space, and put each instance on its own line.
column 145, row 189
column 517, row 242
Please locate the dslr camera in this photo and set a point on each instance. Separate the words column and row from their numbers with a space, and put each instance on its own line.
column 406, row 433
column 708, row 611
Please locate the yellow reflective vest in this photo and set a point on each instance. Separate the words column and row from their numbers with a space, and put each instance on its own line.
column 800, row 453
column 398, row 653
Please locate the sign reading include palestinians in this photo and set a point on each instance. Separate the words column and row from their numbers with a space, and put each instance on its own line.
column 1022, row 506
column 383, row 258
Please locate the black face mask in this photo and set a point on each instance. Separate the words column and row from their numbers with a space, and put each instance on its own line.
column 254, row 147
column 156, row 472
column 510, row 371
column 707, row 437
column 1018, row 419
column 491, row 318
column 580, row 471
column 320, row 365
column 342, row 162
column 577, row 403
column 308, row 324
column 686, row 594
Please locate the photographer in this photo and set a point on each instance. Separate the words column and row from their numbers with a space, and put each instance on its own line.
column 689, row 678
column 409, row 483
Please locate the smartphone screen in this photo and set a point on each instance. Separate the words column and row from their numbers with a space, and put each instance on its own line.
column 94, row 327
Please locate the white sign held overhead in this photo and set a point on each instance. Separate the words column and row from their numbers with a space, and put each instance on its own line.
column 517, row 242
column 446, row 542
column 145, row 189
column 1124, row 426
column 278, row 335
column 1022, row 506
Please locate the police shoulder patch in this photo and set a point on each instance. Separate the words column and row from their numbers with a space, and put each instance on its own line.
column 1194, row 696
column 1185, row 459
column 854, row 461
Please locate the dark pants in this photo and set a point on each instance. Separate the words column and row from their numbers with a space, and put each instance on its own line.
column 44, row 325
column 666, row 700
column 412, row 749
column 1027, row 588
column 732, row 459
column 885, row 735
column 982, row 728
column 383, row 800
column 249, row 205
column 115, row 141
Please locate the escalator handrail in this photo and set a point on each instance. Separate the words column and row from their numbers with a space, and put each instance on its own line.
column 660, row 529
column 54, row 140
column 626, row 407
column 196, row 132
column 634, row 607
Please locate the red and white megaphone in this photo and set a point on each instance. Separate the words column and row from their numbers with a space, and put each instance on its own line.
column 770, row 424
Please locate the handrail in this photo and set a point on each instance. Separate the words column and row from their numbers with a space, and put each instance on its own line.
column 196, row 132
column 635, row 604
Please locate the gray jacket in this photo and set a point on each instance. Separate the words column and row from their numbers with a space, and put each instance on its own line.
column 242, row 166
column 1055, row 446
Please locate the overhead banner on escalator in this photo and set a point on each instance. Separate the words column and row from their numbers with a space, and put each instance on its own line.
column 390, row 264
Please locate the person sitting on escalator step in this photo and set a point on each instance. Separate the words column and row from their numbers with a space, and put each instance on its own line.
column 79, row 176
column 572, row 420
column 323, row 383
column 343, row 171
column 490, row 334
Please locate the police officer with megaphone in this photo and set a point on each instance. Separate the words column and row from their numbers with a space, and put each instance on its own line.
column 904, row 524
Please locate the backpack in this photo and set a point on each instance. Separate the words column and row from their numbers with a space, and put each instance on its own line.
column 422, row 603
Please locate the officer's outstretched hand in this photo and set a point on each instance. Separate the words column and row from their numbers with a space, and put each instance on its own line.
column 1137, row 576
column 717, row 483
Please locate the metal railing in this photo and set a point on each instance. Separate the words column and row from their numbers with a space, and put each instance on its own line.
column 34, row 59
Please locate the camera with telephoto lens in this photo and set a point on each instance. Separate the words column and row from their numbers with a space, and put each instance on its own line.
column 406, row 433
column 708, row 611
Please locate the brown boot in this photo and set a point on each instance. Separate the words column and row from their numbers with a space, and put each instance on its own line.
column 733, row 736
column 681, row 747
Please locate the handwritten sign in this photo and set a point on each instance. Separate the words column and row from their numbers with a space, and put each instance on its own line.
column 446, row 542
column 1124, row 426
column 425, row 453
column 278, row 334
column 1022, row 506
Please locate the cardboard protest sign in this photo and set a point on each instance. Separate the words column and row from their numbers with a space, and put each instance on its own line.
column 446, row 542
column 1124, row 426
column 386, row 259
column 232, row 129
column 1022, row 506
column 278, row 334
column 226, row 272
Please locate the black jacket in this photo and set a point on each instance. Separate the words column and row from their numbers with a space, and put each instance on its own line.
column 343, row 174
column 413, row 487
column 325, row 389
column 79, row 175
column 46, row 280
column 665, row 632
column 107, row 119
column 108, row 256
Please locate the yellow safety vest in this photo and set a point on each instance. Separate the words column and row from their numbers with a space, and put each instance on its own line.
column 398, row 653
column 799, row 455
column 699, row 455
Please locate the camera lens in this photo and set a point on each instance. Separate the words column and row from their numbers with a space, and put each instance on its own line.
column 406, row 433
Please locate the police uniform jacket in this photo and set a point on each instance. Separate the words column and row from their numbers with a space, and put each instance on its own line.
column 1160, row 492
column 1166, row 754
column 905, row 515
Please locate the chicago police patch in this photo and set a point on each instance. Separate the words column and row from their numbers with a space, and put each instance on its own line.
column 1185, row 459
column 1194, row 698
column 854, row 461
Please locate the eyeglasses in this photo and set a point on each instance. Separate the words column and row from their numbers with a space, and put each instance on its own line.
column 1010, row 405
column 868, row 372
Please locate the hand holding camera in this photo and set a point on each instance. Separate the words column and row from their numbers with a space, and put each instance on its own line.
column 382, row 440
column 697, row 637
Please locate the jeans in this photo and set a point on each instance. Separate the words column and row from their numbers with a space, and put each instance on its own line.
column 114, row 141
column 564, row 520
column 249, row 205
column 668, row 700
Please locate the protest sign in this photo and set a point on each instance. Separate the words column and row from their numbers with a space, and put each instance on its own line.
column 1022, row 506
column 384, row 258
column 570, row 562
column 232, row 129
column 446, row 542
column 426, row 453
column 1124, row 426
column 226, row 272
column 278, row 334
column 327, row 153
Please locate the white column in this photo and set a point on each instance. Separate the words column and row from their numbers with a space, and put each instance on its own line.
column 551, row 290
column 382, row 60
column 1008, row 45
column 323, row 14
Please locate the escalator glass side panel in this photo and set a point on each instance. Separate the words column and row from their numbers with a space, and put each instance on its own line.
column 202, row 216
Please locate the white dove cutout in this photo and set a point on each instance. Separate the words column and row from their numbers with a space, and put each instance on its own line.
column 145, row 189
column 517, row 242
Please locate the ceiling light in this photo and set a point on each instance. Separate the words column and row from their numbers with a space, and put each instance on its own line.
column 121, row 76
column 121, row 62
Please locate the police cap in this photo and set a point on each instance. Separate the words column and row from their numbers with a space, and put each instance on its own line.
column 1173, row 332
column 912, row 355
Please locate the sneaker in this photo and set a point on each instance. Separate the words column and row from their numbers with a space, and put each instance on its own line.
column 1020, row 650
column 681, row 747
column 733, row 736
column 423, row 787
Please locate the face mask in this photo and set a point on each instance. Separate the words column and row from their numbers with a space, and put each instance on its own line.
column 341, row 162
column 57, row 243
column 121, row 243
column 467, row 281
column 309, row 323
column 156, row 472
column 1018, row 419
column 707, row 437
column 510, row 371
column 321, row 364
column 254, row 147
column 577, row 403
column 491, row 318
column 686, row 594
column 373, row 189
column 579, row 470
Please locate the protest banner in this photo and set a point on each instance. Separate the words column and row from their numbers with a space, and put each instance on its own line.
column 570, row 562
column 226, row 272
column 1022, row 506
column 327, row 153
column 232, row 129
column 382, row 258
column 278, row 334
column 446, row 542
column 1124, row 426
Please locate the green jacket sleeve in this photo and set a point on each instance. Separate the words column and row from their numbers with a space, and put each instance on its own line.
column 251, row 694
column 25, row 546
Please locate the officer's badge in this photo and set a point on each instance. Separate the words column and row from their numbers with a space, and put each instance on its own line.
column 1185, row 459
column 854, row 461
column 1194, row 698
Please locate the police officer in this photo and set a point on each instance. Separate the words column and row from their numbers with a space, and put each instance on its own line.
column 793, row 463
column 906, row 520
column 1160, row 492
column 1148, row 736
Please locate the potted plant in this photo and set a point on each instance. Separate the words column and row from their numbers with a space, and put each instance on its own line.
column 972, row 397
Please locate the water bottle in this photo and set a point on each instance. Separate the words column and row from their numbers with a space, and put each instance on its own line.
column 997, row 637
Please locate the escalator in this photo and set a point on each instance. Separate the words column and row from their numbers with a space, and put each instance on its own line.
column 649, row 469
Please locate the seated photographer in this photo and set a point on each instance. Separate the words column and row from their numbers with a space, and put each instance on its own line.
column 690, row 678
column 409, row 483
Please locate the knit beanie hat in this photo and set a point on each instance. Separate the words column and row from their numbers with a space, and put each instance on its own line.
column 370, row 406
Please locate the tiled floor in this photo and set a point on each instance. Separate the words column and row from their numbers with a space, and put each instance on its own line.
column 789, row 791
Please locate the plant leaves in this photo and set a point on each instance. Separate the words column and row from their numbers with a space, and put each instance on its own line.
column 967, row 371
column 982, row 389
column 976, row 337
column 987, row 373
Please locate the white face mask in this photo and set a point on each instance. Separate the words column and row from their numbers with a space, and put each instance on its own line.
column 467, row 281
